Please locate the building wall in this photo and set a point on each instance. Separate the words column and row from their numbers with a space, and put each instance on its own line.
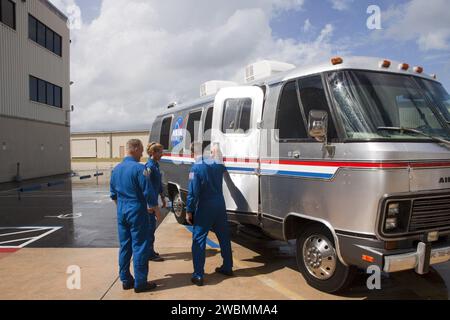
column 41, row 149
column 120, row 140
column 104, row 142
column 32, row 124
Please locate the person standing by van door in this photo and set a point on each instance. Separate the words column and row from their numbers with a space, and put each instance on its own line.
column 206, row 210
column 155, row 152
column 132, row 192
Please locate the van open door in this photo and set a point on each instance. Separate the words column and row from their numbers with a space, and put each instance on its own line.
column 237, row 112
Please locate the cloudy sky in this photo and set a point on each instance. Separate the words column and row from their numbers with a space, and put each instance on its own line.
column 130, row 58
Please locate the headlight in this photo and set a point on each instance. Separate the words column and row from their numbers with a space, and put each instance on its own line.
column 397, row 217
column 392, row 216
column 393, row 209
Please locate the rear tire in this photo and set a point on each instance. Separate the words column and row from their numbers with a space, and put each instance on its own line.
column 178, row 208
column 318, row 261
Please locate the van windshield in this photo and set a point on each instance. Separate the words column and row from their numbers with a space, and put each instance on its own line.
column 437, row 93
column 367, row 101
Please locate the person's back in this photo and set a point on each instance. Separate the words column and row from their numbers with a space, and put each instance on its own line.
column 207, row 211
column 124, row 178
column 133, row 193
column 210, row 173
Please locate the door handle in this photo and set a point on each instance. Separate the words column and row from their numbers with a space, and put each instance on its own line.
column 296, row 154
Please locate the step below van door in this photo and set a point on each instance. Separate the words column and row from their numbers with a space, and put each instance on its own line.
column 237, row 112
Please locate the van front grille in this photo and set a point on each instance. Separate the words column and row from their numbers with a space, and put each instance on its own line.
column 430, row 214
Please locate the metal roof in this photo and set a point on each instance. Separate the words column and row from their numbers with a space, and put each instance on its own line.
column 352, row 62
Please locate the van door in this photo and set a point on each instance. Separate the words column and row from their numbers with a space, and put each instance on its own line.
column 236, row 114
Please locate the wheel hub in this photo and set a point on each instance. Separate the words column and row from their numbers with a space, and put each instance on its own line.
column 319, row 257
column 178, row 206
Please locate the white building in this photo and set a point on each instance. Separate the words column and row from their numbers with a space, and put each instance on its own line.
column 34, row 90
column 105, row 145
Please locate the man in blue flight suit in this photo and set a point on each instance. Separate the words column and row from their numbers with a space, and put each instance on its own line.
column 132, row 192
column 206, row 210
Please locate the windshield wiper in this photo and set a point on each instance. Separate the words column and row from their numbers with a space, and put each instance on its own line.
column 411, row 130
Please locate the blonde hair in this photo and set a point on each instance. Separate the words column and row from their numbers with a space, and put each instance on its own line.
column 154, row 147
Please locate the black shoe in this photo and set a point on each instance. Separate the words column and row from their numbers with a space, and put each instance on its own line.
column 150, row 286
column 224, row 272
column 156, row 259
column 197, row 281
column 127, row 286
column 156, row 254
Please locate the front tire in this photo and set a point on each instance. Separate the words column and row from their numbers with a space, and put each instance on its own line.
column 179, row 208
column 318, row 261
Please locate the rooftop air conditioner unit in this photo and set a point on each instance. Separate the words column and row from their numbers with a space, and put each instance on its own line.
column 212, row 87
column 264, row 69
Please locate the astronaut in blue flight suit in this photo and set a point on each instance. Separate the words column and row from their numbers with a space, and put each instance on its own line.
column 206, row 210
column 132, row 192
column 155, row 152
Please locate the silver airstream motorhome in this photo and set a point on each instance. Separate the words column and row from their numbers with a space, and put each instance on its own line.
column 350, row 158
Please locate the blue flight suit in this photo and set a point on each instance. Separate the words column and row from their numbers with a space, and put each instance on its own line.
column 131, row 188
column 155, row 177
column 205, row 200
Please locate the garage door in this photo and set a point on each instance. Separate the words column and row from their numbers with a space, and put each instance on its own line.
column 84, row 148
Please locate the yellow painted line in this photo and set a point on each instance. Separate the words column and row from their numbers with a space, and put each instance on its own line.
column 288, row 293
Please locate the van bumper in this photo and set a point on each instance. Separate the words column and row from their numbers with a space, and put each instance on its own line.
column 411, row 254
column 420, row 260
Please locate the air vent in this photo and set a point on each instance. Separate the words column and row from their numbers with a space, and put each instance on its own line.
column 264, row 69
column 212, row 87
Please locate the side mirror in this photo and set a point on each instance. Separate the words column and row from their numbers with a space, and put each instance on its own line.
column 318, row 125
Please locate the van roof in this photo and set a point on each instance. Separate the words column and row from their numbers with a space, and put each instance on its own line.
column 353, row 62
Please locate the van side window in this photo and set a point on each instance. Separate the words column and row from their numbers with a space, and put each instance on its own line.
column 312, row 96
column 289, row 117
column 207, row 128
column 165, row 132
column 192, row 129
column 236, row 115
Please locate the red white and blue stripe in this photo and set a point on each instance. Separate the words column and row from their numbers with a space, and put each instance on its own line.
column 314, row 169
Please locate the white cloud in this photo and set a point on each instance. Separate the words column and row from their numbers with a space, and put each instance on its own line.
column 288, row 4
column 307, row 26
column 72, row 10
column 140, row 55
column 425, row 21
column 341, row 5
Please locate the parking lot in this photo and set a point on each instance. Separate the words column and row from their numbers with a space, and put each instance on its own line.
column 48, row 226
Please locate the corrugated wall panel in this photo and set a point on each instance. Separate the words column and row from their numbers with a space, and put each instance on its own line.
column 41, row 148
column 20, row 57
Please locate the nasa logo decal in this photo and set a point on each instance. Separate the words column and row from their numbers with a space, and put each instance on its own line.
column 177, row 132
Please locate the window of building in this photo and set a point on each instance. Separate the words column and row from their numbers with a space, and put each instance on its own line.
column 236, row 115
column 8, row 13
column 41, row 34
column 165, row 132
column 58, row 45
column 49, row 39
column 44, row 36
column 33, row 88
column 289, row 116
column 32, row 28
column 42, row 91
column 50, row 94
column 45, row 92
column 192, row 129
column 58, row 97
column 312, row 96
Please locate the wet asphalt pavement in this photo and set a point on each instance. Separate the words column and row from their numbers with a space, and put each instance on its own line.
column 80, row 212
